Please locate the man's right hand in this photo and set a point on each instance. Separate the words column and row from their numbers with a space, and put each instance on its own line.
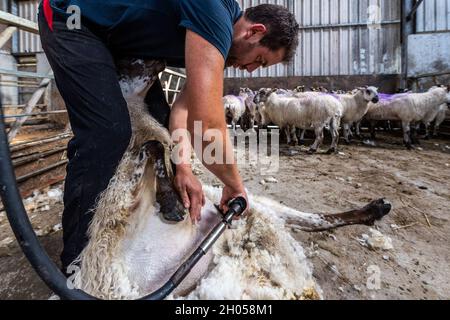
column 230, row 193
column 190, row 190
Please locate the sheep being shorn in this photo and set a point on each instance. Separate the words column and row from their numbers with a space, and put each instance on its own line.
column 134, row 247
column 304, row 111
column 409, row 108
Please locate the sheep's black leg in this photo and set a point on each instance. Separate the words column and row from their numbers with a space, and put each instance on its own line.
column 407, row 135
column 372, row 130
column 157, row 104
column 414, row 135
column 358, row 131
column 374, row 211
column 167, row 197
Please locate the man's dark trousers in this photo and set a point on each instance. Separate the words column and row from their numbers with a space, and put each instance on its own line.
column 87, row 79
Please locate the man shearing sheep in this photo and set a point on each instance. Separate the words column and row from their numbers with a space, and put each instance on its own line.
column 203, row 36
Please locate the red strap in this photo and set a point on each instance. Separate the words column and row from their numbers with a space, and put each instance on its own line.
column 48, row 13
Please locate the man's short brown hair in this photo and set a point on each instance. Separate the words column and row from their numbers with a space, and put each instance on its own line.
column 282, row 27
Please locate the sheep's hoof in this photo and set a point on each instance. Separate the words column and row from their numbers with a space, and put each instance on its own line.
column 332, row 151
column 301, row 142
column 170, row 207
column 312, row 151
column 375, row 211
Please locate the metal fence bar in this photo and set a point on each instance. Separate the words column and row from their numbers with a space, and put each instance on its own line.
column 347, row 25
column 24, row 24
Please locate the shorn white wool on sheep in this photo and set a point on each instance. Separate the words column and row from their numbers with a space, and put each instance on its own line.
column 257, row 259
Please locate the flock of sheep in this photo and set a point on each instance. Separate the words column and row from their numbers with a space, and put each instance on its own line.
column 319, row 109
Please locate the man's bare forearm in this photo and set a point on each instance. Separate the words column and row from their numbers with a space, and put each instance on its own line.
column 225, row 167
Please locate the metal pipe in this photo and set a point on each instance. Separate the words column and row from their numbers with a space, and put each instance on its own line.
column 347, row 25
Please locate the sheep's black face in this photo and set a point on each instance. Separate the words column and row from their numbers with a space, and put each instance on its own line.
column 300, row 89
column 262, row 95
column 371, row 94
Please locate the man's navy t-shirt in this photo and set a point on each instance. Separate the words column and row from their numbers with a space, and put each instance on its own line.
column 157, row 28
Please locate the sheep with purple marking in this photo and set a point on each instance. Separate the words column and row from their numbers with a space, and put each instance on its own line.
column 409, row 108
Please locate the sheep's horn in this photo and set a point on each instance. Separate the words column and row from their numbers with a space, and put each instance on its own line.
column 167, row 197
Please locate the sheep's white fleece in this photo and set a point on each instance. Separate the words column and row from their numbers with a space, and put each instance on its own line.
column 258, row 259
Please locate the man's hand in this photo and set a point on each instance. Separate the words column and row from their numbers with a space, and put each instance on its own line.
column 229, row 194
column 191, row 192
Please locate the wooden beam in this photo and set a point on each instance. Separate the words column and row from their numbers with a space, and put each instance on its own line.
column 21, row 23
column 28, row 109
column 6, row 35
column 413, row 10
column 41, row 171
column 24, row 74
column 32, row 143
column 40, row 155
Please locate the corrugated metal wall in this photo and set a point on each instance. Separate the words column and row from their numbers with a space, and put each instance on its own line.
column 28, row 42
column 433, row 16
column 340, row 37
